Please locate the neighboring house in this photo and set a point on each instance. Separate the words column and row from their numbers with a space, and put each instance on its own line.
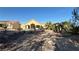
column 11, row 25
column 32, row 24
column 15, row 25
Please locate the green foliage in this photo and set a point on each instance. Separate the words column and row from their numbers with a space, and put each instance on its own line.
column 66, row 26
column 41, row 27
column 3, row 26
column 75, row 30
column 57, row 27
column 37, row 26
column 62, row 27
column 75, row 21
column 49, row 26
column 75, row 17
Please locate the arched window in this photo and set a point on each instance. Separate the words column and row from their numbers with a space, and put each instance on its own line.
column 33, row 26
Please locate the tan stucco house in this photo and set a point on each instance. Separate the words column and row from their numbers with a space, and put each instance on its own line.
column 31, row 24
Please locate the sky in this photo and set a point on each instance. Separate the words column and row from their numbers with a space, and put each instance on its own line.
column 40, row 14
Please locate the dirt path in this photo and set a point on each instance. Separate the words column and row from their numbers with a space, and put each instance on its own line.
column 44, row 41
column 34, row 42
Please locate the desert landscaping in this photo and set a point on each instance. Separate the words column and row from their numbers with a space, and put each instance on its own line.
column 37, row 36
column 34, row 41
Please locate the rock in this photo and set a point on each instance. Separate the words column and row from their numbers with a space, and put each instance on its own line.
column 1, row 45
column 48, row 45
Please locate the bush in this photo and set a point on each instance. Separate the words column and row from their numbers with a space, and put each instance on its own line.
column 75, row 30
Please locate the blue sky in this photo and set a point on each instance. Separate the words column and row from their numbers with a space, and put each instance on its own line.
column 40, row 14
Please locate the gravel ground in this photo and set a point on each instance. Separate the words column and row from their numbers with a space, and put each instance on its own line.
column 43, row 41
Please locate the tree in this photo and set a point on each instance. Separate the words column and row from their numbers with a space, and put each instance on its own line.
column 38, row 26
column 49, row 25
column 66, row 26
column 75, row 17
column 75, row 21
column 57, row 27
column 3, row 26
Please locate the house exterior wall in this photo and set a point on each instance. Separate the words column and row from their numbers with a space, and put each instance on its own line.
column 28, row 24
column 11, row 25
column 32, row 22
column 14, row 25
